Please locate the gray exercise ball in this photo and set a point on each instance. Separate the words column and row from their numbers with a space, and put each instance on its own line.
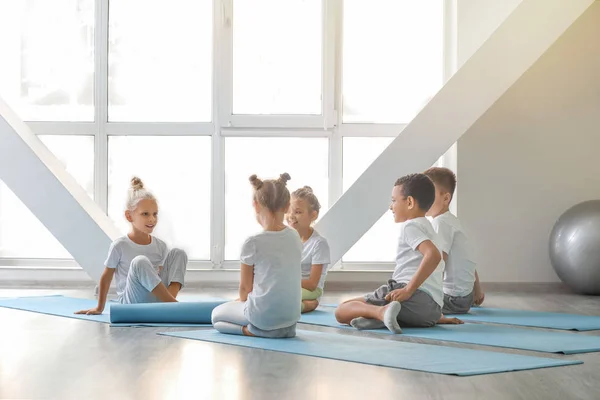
column 575, row 247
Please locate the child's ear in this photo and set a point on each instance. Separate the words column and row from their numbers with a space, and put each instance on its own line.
column 447, row 198
column 411, row 202
column 128, row 216
column 314, row 215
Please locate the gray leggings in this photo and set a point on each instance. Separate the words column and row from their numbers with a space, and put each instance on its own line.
column 142, row 277
column 229, row 318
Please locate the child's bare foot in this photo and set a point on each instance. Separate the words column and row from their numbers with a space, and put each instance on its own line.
column 450, row 321
column 389, row 316
column 246, row 331
column 309, row 305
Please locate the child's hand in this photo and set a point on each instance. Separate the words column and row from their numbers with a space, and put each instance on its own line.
column 400, row 295
column 91, row 311
column 478, row 297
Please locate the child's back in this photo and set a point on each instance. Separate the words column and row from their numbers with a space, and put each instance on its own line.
column 459, row 274
column 276, row 292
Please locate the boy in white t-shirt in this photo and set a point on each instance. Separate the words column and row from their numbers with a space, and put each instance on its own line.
column 413, row 297
column 461, row 281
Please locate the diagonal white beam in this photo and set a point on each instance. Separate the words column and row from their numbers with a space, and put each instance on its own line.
column 514, row 47
column 40, row 181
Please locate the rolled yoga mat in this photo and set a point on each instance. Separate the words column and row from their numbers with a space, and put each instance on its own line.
column 386, row 353
column 151, row 314
column 485, row 335
column 164, row 313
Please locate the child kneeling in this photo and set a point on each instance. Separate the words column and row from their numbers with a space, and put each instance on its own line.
column 413, row 297
column 270, row 291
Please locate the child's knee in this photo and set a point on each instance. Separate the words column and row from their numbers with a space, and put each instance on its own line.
column 178, row 254
column 340, row 314
column 141, row 263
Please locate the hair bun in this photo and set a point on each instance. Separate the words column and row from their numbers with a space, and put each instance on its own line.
column 136, row 183
column 256, row 183
column 284, row 178
column 308, row 189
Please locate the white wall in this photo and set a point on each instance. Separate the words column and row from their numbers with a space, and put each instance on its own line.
column 476, row 20
column 534, row 154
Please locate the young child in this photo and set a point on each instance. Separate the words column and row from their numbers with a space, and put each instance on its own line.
column 461, row 281
column 304, row 210
column 146, row 271
column 270, row 271
column 413, row 297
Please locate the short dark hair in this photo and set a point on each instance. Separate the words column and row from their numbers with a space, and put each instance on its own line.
column 420, row 188
column 443, row 177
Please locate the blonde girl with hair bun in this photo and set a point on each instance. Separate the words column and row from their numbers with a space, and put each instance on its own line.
column 270, row 270
column 303, row 212
column 145, row 269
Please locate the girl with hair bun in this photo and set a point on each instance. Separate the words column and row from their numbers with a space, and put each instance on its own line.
column 146, row 270
column 303, row 212
column 270, row 271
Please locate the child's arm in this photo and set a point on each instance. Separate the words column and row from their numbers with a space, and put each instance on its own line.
column 431, row 260
column 246, row 281
column 315, row 275
column 478, row 294
column 105, row 281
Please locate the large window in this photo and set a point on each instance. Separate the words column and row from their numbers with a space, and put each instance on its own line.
column 379, row 243
column 305, row 159
column 277, row 57
column 194, row 96
column 47, row 67
column 177, row 171
column 393, row 58
column 160, row 60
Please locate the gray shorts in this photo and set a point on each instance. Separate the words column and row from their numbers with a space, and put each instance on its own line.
column 457, row 305
column 420, row 310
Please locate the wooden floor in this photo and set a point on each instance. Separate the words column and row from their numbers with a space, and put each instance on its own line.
column 45, row 357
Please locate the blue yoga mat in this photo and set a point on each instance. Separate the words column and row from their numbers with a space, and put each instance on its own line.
column 387, row 353
column 486, row 335
column 126, row 315
column 536, row 319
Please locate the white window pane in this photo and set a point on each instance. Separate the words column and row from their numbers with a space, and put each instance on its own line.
column 47, row 53
column 178, row 171
column 22, row 235
column 277, row 57
column 160, row 60
column 379, row 243
column 305, row 159
column 392, row 58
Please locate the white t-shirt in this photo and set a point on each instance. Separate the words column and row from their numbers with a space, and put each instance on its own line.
column 408, row 259
column 459, row 275
column 276, row 294
column 123, row 250
column 315, row 251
